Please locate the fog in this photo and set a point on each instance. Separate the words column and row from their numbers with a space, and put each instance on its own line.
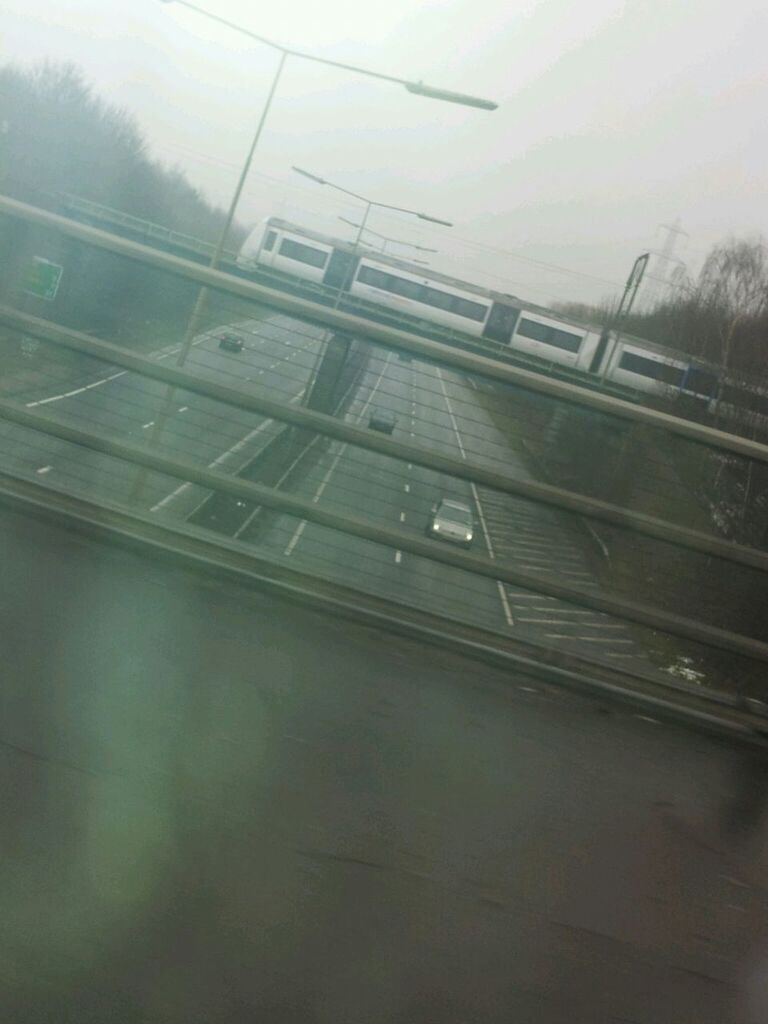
column 614, row 118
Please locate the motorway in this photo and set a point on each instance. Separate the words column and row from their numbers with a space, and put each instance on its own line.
column 217, row 806
column 435, row 407
column 278, row 358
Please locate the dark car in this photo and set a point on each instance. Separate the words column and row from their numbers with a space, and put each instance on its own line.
column 382, row 420
column 231, row 343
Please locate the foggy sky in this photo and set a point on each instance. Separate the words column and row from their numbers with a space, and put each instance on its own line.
column 614, row 117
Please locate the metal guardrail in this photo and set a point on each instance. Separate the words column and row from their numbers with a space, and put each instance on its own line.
column 328, row 426
column 358, row 306
column 354, row 304
column 174, row 541
column 474, row 471
column 149, row 229
column 301, row 309
column 219, row 482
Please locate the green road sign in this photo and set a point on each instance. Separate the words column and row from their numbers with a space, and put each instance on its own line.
column 41, row 278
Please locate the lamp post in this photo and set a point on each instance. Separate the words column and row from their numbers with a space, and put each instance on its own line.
column 369, row 204
column 416, row 88
column 625, row 305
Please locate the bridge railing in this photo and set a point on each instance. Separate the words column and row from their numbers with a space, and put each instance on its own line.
column 596, row 539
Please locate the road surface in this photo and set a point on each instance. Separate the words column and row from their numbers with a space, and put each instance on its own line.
column 435, row 408
column 278, row 358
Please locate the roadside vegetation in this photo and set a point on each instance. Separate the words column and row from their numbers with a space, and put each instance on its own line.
column 720, row 317
column 58, row 137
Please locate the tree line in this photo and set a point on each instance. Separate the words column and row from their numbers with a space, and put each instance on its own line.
column 58, row 136
column 721, row 316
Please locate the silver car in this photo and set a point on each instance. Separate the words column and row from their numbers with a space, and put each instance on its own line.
column 452, row 521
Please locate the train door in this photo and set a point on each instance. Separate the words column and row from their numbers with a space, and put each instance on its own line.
column 597, row 358
column 501, row 322
column 340, row 269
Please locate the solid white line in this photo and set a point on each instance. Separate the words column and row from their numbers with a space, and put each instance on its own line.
column 450, row 413
column 217, row 461
column 104, row 380
column 249, row 519
column 551, row 622
column 295, row 538
column 300, row 528
column 98, row 383
column 560, row 611
column 499, row 585
column 574, row 625
column 331, row 470
column 587, row 639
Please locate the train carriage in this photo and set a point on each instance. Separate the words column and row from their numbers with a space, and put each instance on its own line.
column 428, row 295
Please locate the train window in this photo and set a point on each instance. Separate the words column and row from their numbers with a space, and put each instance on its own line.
column 549, row 335
column 390, row 283
column 700, row 382
column 653, row 368
column 471, row 310
column 408, row 289
column 420, row 293
column 376, row 278
column 303, row 253
column 440, row 300
column 270, row 241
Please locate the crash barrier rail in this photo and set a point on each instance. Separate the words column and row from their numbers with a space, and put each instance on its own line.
column 147, row 228
column 506, row 385
column 325, row 294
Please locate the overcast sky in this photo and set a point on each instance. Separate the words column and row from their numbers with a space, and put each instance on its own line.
column 614, row 118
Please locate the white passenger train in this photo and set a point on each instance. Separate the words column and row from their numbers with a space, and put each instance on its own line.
column 531, row 330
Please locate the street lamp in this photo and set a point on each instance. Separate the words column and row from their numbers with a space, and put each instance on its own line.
column 369, row 203
column 385, row 239
column 417, row 88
